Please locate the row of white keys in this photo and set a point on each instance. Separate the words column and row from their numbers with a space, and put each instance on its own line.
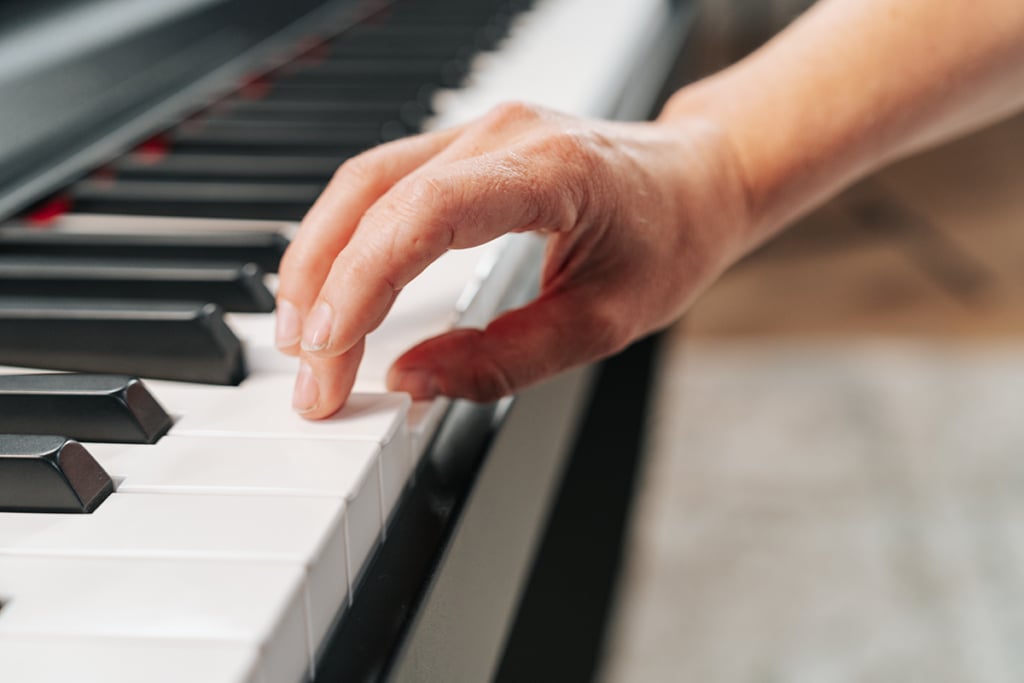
column 305, row 499
column 248, row 616
column 228, row 486
column 575, row 56
column 103, row 659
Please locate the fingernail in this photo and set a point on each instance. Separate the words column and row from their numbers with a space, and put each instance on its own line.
column 420, row 383
column 288, row 328
column 307, row 391
column 317, row 331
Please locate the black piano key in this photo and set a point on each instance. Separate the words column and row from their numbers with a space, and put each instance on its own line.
column 227, row 168
column 392, row 93
column 473, row 32
column 265, row 249
column 109, row 408
column 232, row 286
column 318, row 137
column 49, row 474
column 445, row 72
column 186, row 342
column 368, row 46
column 414, row 31
column 259, row 201
column 411, row 114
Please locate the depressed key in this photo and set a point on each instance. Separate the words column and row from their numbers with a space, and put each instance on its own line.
column 178, row 341
column 49, row 474
column 87, row 407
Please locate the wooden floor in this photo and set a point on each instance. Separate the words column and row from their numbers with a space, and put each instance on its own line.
column 835, row 481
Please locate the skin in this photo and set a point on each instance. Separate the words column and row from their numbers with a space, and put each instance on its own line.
column 641, row 217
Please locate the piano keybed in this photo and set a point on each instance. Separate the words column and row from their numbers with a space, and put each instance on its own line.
column 232, row 545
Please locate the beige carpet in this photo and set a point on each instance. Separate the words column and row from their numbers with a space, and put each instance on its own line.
column 840, row 512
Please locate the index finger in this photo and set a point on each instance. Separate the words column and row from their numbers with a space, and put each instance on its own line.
column 326, row 229
column 457, row 205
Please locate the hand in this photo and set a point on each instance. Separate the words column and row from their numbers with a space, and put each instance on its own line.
column 640, row 217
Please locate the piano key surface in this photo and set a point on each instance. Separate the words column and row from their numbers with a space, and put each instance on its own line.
column 246, row 466
column 147, row 599
column 127, row 660
column 305, row 532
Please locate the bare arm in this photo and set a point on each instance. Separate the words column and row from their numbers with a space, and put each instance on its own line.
column 641, row 217
column 854, row 84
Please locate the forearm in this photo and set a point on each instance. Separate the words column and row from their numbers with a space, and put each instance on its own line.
column 853, row 85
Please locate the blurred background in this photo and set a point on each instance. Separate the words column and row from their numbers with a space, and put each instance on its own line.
column 833, row 486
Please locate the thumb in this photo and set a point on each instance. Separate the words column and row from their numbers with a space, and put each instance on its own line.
column 521, row 347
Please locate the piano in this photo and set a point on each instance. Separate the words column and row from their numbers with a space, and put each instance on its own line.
column 164, row 516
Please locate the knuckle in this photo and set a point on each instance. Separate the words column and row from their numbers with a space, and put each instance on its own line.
column 580, row 158
column 427, row 193
column 355, row 169
column 580, row 168
column 431, row 200
column 568, row 146
column 510, row 113
column 576, row 172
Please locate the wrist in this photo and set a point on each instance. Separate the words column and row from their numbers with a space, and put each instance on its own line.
column 709, row 159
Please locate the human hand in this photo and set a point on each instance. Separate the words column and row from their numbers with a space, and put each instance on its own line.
column 640, row 217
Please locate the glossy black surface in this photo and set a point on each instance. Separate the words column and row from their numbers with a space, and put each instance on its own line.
column 49, row 474
column 229, row 167
column 235, row 287
column 100, row 69
column 186, row 342
column 87, row 407
column 269, row 201
column 265, row 249
column 281, row 137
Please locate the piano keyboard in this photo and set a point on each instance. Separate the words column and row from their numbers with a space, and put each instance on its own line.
column 231, row 546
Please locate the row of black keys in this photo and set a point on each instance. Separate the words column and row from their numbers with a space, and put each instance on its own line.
column 120, row 302
column 267, row 151
column 43, row 467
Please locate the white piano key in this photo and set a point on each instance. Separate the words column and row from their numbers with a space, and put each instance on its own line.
column 247, row 466
column 242, row 465
column 33, row 659
column 305, row 532
column 261, row 408
column 257, row 605
column 543, row 60
column 424, row 419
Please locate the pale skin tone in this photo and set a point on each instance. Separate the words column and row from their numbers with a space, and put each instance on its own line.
column 641, row 217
